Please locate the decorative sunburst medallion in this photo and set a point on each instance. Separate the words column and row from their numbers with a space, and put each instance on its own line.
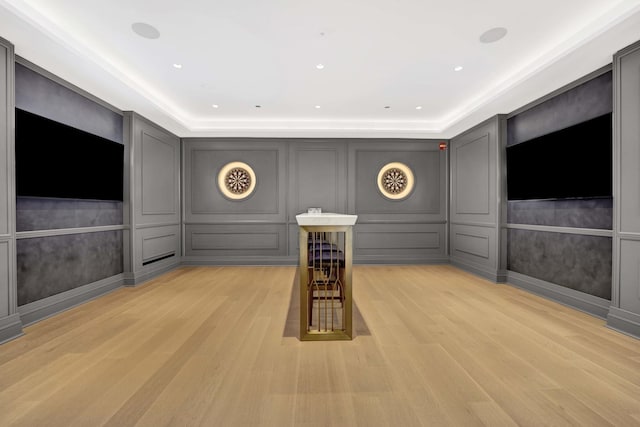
column 395, row 180
column 236, row 180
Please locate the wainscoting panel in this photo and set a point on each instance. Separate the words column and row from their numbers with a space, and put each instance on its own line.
column 427, row 201
column 160, row 163
column 5, row 278
column 317, row 177
column 156, row 174
column 399, row 243
column 630, row 275
column 472, row 192
column 158, row 244
column 477, row 191
column 205, row 203
column 234, row 240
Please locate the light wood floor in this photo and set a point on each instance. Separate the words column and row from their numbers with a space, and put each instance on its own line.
column 212, row 346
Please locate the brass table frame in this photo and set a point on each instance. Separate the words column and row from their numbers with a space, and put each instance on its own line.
column 313, row 335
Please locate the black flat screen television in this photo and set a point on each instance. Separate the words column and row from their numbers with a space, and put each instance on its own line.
column 572, row 163
column 56, row 160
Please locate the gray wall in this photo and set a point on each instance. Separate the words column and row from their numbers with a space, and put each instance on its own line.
column 477, row 192
column 10, row 324
column 68, row 250
column 40, row 95
column 624, row 313
column 563, row 242
column 293, row 175
column 152, row 199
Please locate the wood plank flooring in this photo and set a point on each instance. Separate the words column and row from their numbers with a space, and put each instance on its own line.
column 208, row 346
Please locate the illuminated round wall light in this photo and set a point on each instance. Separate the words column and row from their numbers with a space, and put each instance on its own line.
column 395, row 181
column 236, row 180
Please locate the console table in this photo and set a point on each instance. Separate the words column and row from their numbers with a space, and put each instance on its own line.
column 326, row 241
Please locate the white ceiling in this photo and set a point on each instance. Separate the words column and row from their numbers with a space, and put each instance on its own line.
column 376, row 53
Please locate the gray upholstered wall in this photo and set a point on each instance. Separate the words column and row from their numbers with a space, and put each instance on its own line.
column 66, row 246
column 37, row 213
column 562, row 241
column 293, row 175
column 624, row 313
column 40, row 95
column 50, row 265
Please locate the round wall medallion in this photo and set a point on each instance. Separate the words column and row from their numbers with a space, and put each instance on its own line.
column 236, row 180
column 395, row 180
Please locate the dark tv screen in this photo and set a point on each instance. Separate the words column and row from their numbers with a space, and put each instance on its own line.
column 56, row 160
column 575, row 162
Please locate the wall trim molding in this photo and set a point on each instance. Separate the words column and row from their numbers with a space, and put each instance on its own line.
column 132, row 279
column 66, row 231
column 192, row 260
column 399, row 260
column 47, row 307
column 10, row 328
column 475, row 224
column 589, row 304
column 624, row 321
column 479, row 270
column 562, row 230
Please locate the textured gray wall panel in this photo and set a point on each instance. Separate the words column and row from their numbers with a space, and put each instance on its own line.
column 51, row 265
column 584, row 102
column 575, row 261
column 40, row 95
column 33, row 213
column 588, row 213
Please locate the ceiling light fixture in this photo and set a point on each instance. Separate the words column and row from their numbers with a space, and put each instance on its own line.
column 317, row 106
column 493, row 35
column 145, row 30
column 387, row 107
column 458, row 68
column 258, row 106
column 178, row 66
column 215, row 105
column 419, row 107
column 320, row 66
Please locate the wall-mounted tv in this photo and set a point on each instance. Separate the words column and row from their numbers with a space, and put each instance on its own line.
column 575, row 162
column 56, row 160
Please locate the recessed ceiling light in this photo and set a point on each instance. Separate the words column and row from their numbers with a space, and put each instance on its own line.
column 419, row 107
column 320, row 66
column 145, row 30
column 317, row 106
column 493, row 35
column 458, row 68
column 178, row 66
column 215, row 105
